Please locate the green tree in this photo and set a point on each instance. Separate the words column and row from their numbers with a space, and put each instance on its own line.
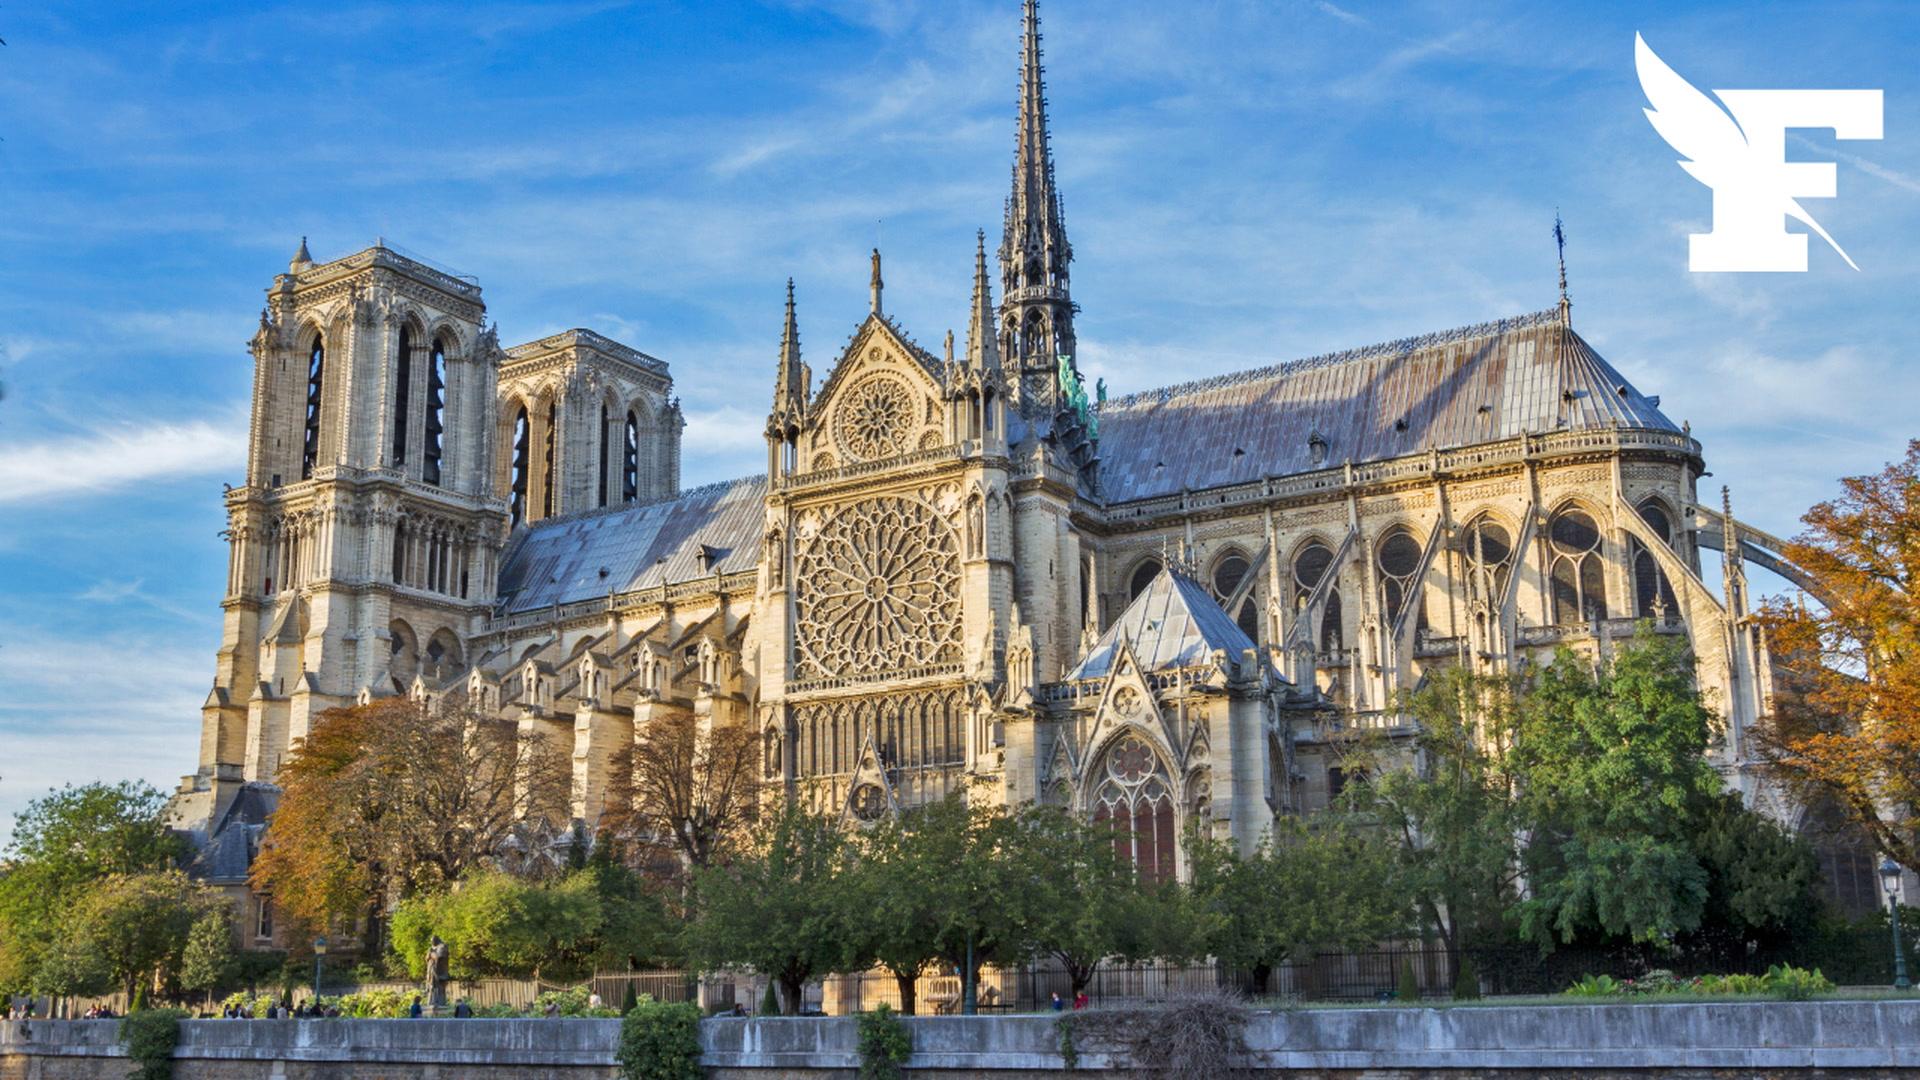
column 63, row 843
column 130, row 931
column 496, row 924
column 1612, row 767
column 893, row 916
column 207, row 963
column 780, row 909
column 1302, row 890
column 1448, row 809
column 1763, row 880
column 1080, row 898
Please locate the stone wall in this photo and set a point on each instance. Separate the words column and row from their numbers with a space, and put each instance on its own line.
column 1753, row 1039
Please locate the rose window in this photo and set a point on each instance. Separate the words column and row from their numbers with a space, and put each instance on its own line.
column 878, row 591
column 874, row 419
column 869, row 802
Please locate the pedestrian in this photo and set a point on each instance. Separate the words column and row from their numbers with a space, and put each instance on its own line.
column 413, row 1011
column 462, row 1010
column 593, row 1000
column 1058, row 1005
column 1080, row 1000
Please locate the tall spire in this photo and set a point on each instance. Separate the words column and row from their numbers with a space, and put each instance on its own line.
column 1037, row 311
column 983, row 354
column 875, row 285
column 791, row 388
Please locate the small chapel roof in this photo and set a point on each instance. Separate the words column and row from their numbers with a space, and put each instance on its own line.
column 1173, row 623
column 1476, row 384
column 699, row 533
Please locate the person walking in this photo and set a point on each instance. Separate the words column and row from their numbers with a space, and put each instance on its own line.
column 413, row 1011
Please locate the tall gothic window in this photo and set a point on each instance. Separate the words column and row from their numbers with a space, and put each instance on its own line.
column 1134, row 799
column 606, row 448
column 1228, row 575
column 1489, row 550
column 517, row 483
column 1143, row 576
column 1651, row 590
column 402, row 392
column 436, row 413
column 316, row 372
column 1578, row 578
column 546, row 460
column 630, row 461
column 1399, row 562
column 1309, row 566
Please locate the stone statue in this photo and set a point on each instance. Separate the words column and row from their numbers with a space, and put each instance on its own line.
column 437, row 973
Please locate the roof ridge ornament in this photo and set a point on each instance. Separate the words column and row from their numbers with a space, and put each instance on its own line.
column 1560, row 243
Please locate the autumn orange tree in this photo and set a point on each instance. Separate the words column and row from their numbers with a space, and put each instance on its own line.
column 386, row 799
column 1846, row 725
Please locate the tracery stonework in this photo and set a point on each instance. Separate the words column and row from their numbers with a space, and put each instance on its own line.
column 878, row 592
column 874, row 419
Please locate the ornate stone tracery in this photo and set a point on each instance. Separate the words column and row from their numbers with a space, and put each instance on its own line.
column 878, row 592
column 875, row 419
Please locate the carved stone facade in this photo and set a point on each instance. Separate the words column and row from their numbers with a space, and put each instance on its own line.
column 959, row 572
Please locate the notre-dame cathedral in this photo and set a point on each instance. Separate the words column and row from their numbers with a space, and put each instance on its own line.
column 962, row 568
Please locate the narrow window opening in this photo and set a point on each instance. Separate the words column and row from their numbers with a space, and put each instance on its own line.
column 402, row 391
column 436, row 414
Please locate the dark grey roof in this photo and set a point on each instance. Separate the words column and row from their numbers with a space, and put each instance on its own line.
column 1174, row 623
column 234, row 838
column 1472, row 385
column 558, row 561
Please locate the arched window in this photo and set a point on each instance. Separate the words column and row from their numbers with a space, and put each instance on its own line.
column 1310, row 565
column 1399, row 562
column 1229, row 573
column 400, row 553
column 402, row 394
column 517, row 483
column 1578, row 579
column 630, row 461
column 1135, row 800
column 1652, row 593
column 1143, row 576
column 1489, row 550
column 546, row 460
column 316, row 373
column 436, row 413
column 606, row 448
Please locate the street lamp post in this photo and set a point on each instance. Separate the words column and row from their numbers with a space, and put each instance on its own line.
column 1890, row 877
column 319, row 953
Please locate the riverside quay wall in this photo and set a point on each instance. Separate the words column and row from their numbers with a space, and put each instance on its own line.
column 1724, row 1041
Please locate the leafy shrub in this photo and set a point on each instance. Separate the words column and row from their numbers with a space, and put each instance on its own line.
column 769, row 1001
column 150, row 1036
column 499, row 1010
column 885, row 1044
column 1409, row 987
column 1069, row 1053
column 1794, row 984
column 387, row 1004
column 574, row 1001
column 660, row 1041
column 1596, row 986
column 1466, row 981
column 1730, row 984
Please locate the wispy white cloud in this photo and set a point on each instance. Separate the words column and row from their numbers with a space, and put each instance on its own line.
column 115, row 458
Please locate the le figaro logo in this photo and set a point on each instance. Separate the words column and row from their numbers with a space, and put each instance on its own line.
column 1741, row 153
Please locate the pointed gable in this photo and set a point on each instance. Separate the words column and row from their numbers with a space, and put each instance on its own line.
column 1174, row 623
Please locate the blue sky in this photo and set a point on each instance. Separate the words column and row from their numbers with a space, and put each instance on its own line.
column 1244, row 183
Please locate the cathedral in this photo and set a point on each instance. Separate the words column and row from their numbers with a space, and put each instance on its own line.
column 961, row 569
